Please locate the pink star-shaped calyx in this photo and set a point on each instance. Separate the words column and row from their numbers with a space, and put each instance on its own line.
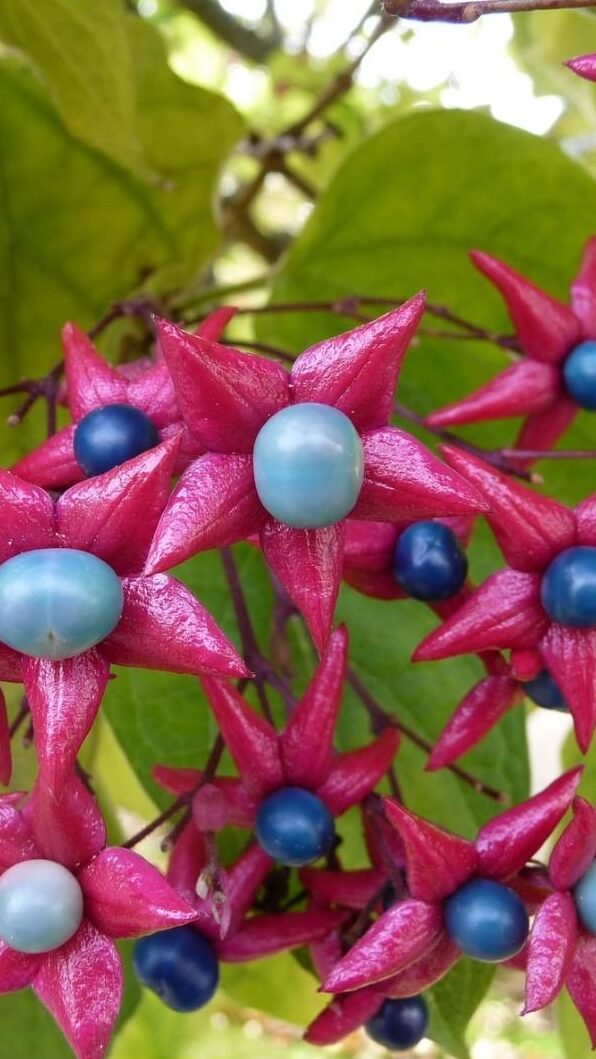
column 92, row 383
column 583, row 66
column 162, row 626
column 560, row 951
column 301, row 755
column 506, row 610
column 437, row 864
column 547, row 331
column 227, row 396
column 80, row 982
column 236, row 936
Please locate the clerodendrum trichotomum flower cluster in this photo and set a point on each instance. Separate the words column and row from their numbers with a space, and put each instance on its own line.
column 201, row 446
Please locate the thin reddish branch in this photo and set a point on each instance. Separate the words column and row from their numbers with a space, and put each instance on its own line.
column 381, row 719
column 464, row 13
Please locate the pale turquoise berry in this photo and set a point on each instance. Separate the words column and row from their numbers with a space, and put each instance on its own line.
column 308, row 465
column 41, row 906
column 57, row 602
column 585, row 899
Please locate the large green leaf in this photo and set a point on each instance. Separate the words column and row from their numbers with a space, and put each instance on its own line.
column 82, row 53
column 401, row 215
column 78, row 231
column 453, row 1001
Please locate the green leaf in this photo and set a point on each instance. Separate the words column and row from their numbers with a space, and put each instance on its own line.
column 572, row 1030
column 157, row 717
column 78, row 231
column 81, row 51
column 28, row 1030
column 453, row 1001
column 402, row 214
column 423, row 696
column 25, row 1025
column 297, row 1002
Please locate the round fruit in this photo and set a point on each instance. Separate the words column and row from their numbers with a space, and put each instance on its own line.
column 568, row 588
column 429, row 563
column 544, row 692
column 180, row 965
column 111, row 435
column 41, row 906
column 294, row 826
column 399, row 1024
column 585, row 899
column 57, row 602
column 487, row 920
column 579, row 374
column 308, row 465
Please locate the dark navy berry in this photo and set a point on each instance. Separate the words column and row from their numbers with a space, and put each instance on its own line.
column 568, row 588
column 487, row 920
column 294, row 826
column 544, row 692
column 111, row 435
column 429, row 563
column 399, row 1024
column 579, row 373
column 180, row 965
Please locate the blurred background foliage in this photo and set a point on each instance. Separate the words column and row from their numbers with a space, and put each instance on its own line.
column 185, row 152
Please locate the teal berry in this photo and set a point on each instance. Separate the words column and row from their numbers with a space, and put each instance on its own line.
column 41, row 906
column 579, row 374
column 584, row 894
column 308, row 465
column 57, row 602
column 487, row 920
column 109, row 436
column 568, row 589
column 179, row 965
column 429, row 563
column 294, row 826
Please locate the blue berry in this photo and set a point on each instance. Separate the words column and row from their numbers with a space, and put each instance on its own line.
column 308, row 465
column 429, row 563
column 568, row 588
column 544, row 692
column 180, row 965
column 41, row 906
column 111, row 435
column 487, row 920
column 57, row 602
column 399, row 1024
column 294, row 826
column 585, row 899
column 579, row 374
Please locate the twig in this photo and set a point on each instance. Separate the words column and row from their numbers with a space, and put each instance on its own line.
column 183, row 800
column 248, row 42
column 252, row 654
column 495, row 457
column 382, row 719
column 464, row 13
column 541, row 454
column 19, row 718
